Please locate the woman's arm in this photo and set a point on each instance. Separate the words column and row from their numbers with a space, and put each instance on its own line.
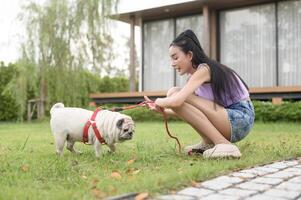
column 155, row 108
column 169, row 112
column 198, row 78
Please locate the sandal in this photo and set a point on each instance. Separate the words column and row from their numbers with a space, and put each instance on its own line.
column 222, row 151
column 197, row 148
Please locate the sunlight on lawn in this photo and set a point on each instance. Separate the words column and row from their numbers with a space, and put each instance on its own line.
column 149, row 163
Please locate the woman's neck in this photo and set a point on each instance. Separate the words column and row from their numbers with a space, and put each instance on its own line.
column 192, row 70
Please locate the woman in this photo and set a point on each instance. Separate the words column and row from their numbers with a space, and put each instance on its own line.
column 214, row 101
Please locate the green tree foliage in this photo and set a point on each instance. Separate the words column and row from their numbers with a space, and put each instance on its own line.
column 64, row 39
column 8, row 105
column 12, row 108
column 19, row 84
column 115, row 84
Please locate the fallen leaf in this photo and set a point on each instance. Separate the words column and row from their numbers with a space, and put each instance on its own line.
column 173, row 192
column 136, row 171
column 116, row 175
column 112, row 189
column 141, row 196
column 98, row 193
column 129, row 171
column 24, row 168
column 129, row 162
column 84, row 177
column 194, row 184
column 180, row 170
column 94, row 182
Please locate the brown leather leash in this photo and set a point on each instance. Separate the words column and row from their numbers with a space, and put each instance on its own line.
column 167, row 129
column 145, row 103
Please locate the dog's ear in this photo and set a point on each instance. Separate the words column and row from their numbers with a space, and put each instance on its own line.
column 119, row 123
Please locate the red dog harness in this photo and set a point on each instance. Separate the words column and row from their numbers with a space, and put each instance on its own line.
column 96, row 131
column 117, row 109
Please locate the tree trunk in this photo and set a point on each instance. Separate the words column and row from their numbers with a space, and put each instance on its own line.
column 41, row 103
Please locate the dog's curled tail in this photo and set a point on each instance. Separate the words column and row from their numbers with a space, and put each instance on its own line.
column 56, row 106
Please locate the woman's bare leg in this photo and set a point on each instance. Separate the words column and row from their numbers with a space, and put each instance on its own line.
column 173, row 91
column 198, row 120
column 215, row 114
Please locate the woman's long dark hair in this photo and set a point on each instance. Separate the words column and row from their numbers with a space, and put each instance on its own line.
column 223, row 80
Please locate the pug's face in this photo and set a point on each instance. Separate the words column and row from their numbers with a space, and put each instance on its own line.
column 126, row 126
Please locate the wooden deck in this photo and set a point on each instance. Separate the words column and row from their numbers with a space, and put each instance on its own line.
column 260, row 93
column 125, row 97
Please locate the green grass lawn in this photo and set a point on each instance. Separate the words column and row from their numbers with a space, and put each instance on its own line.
column 30, row 169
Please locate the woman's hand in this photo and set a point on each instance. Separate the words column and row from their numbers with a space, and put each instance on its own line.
column 152, row 105
column 162, row 102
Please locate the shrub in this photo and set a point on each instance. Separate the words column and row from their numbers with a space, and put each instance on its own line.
column 264, row 111
column 143, row 114
column 287, row 111
column 115, row 84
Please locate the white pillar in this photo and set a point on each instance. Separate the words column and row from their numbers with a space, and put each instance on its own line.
column 132, row 67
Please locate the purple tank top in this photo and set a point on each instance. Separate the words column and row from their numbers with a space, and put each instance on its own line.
column 205, row 91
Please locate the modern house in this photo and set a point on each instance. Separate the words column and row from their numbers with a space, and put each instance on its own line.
column 260, row 39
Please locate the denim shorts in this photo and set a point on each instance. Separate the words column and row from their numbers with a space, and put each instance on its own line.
column 241, row 116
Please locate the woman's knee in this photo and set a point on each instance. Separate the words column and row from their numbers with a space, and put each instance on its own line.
column 173, row 91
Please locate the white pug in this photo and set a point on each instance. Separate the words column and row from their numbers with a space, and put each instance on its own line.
column 67, row 124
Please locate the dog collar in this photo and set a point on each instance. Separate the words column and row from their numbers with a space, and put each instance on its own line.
column 92, row 122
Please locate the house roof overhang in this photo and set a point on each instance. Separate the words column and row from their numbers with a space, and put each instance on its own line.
column 179, row 9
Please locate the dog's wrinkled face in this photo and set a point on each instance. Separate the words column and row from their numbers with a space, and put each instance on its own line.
column 126, row 126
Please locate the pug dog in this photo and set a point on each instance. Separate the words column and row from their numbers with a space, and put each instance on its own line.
column 67, row 124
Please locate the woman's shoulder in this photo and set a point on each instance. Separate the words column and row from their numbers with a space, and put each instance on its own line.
column 203, row 65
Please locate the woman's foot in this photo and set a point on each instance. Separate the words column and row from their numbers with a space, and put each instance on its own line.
column 198, row 148
column 222, row 151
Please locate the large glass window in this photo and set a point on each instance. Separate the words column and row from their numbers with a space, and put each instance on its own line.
column 247, row 39
column 289, row 45
column 194, row 23
column 157, row 74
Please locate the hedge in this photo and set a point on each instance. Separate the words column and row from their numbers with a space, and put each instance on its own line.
column 264, row 111
column 287, row 111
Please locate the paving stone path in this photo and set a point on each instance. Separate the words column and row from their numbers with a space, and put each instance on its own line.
column 279, row 180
